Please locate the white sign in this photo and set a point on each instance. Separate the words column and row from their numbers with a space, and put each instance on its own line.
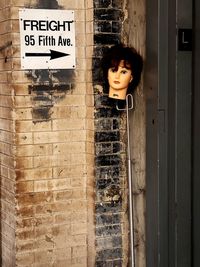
column 47, row 39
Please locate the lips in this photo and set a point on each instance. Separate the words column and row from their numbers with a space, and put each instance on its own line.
column 116, row 82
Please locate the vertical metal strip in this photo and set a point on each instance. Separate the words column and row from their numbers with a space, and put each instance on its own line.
column 129, row 100
column 183, row 141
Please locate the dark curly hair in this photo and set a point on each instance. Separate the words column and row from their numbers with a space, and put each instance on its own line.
column 132, row 60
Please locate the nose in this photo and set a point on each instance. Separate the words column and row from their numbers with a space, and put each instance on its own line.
column 117, row 74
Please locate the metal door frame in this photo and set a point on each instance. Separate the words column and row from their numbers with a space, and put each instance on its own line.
column 196, row 134
column 168, row 86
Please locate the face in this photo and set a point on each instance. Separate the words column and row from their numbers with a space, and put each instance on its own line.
column 120, row 78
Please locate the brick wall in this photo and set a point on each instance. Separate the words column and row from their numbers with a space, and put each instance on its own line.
column 46, row 149
column 7, row 181
column 110, row 146
column 116, row 21
column 48, row 127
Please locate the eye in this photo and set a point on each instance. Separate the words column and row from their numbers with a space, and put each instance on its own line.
column 113, row 69
column 124, row 71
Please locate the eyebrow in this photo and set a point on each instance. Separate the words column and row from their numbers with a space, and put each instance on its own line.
column 114, row 63
column 117, row 67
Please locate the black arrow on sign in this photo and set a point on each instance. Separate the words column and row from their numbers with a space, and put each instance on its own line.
column 53, row 54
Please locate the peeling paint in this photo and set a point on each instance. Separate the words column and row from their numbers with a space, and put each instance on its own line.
column 3, row 47
column 41, row 114
column 53, row 4
column 50, row 87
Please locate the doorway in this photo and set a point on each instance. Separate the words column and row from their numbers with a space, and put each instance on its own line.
column 169, row 126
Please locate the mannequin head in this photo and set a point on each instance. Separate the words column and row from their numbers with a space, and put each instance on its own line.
column 122, row 68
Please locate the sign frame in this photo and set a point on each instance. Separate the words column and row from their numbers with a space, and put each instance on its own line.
column 47, row 38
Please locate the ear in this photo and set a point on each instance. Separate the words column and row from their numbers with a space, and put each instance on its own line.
column 131, row 79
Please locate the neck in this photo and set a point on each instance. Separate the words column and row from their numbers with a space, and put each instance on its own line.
column 117, row 94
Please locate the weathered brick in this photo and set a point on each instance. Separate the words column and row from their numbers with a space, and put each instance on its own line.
column 34, row 174
column 45, row 219
column 34, row 150
column 110, row 230
column 6, row 112
column 58, row 207
column 70, row 194
column 109, row 242
column 25, row 234
column 107, row 25
column 79, row 228
column 89, row 29
column 49, row 185
column 57, row 160
column 25, row 222
column 44, row 256
column 59, row 136
column 68, row 124
column 34, row 198
column 7, row 196
column 65, row 112
column 71, row 171
column 102, row 3
column 65, row 253
column 89, row 14
column 24, row 138
column 116, row 27
column 77, row 239
column 46, row 139
column 25, row 246
column 24, row 187
column 77, row 182
column 79, row 262
column 6, row 101
column 5, row 26
column 23, row 101
column 80, row 216
column 108, row 14
column 73, row 147
column 108, row 160
column 6, row 149
column 80, row 14
column 6, row 125
column 89, row 40
column 103, row 26
column 26, row 211
column 109, row 254
column 104, row 219
column 79, row 205
column 63, row 218
column 25, row 258
column 7, row 240
column 24, row 162
column 7, row 137
column 8, row 184
column 72, row 4
column 79, row 251
column 8, row 218
column 23, row 114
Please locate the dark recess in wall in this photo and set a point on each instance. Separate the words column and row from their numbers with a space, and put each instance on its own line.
column 109, row 169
